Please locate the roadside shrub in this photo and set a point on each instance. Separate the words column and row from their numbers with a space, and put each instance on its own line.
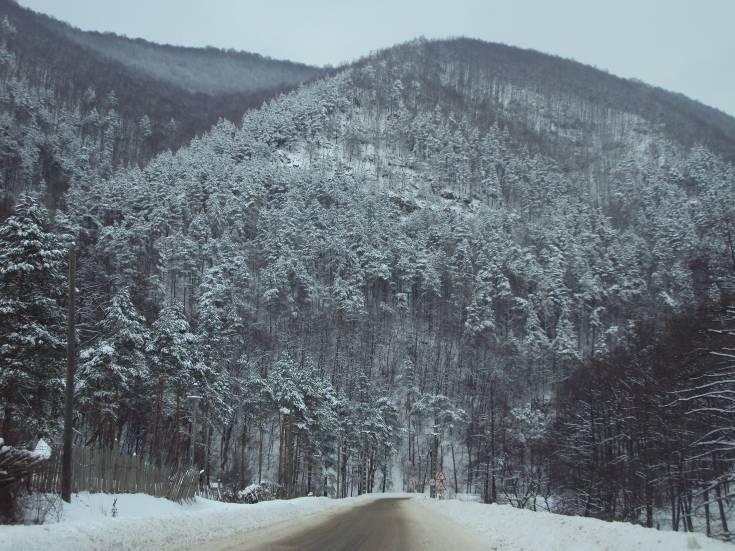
column 254, row 493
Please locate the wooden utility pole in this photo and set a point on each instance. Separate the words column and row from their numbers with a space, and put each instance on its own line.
column 71, row 367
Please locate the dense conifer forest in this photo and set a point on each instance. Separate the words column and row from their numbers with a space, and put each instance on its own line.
column 448, row 255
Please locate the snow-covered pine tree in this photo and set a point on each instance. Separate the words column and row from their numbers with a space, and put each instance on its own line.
column 114, row 375
column 32, row 321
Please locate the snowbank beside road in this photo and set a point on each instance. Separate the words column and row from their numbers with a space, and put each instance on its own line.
column 505, row 528
column 146, row 522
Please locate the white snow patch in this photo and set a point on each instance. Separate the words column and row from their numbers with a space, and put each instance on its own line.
column 42, row 449
column 506, row 528
column 147, row 522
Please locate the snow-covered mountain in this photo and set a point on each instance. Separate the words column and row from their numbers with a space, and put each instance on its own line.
column 558, row 100
column 68, row 93
column 449, row 254
column 196, row 70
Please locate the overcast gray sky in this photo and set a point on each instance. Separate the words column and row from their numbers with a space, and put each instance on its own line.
column 686, row 46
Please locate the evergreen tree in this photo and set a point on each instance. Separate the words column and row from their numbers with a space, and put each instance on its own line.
column 33, row 321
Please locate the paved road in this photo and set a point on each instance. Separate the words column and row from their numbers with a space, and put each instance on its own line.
column 381, row 525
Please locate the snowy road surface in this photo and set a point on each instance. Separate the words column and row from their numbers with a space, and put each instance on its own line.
column 375, row 521
column 380, row 525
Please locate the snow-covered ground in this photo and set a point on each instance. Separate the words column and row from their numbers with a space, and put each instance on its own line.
column 146, row 522
column 505, row 528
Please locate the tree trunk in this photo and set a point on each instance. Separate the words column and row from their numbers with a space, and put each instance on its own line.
column 8, row 417
column 469, row 466
column 260, row 455
column 723, row 516
column 649, row 502
column 434, row 462
column 71, row 366
column 454, row 471
column 308, row 477
column 158, row 423
column 344, row 471
column 487, row 497
column 385, row 471
column 226, row 439
column 706, row 512
column 177, row 429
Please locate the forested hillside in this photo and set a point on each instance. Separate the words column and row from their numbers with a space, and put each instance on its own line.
column 196, row 70
column 560, row 101
column 448, row 255
column 69, row 104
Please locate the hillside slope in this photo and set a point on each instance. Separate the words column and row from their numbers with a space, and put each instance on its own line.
column 448, row 252
column 377, row 251
column 194, row 86
column 550, row 94
column 81, row 102
column 550, row 101
column 196, row 70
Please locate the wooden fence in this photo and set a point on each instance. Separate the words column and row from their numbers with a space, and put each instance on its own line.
column 109, row 471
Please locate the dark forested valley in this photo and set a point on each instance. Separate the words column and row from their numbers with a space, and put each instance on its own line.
column 448, row 255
